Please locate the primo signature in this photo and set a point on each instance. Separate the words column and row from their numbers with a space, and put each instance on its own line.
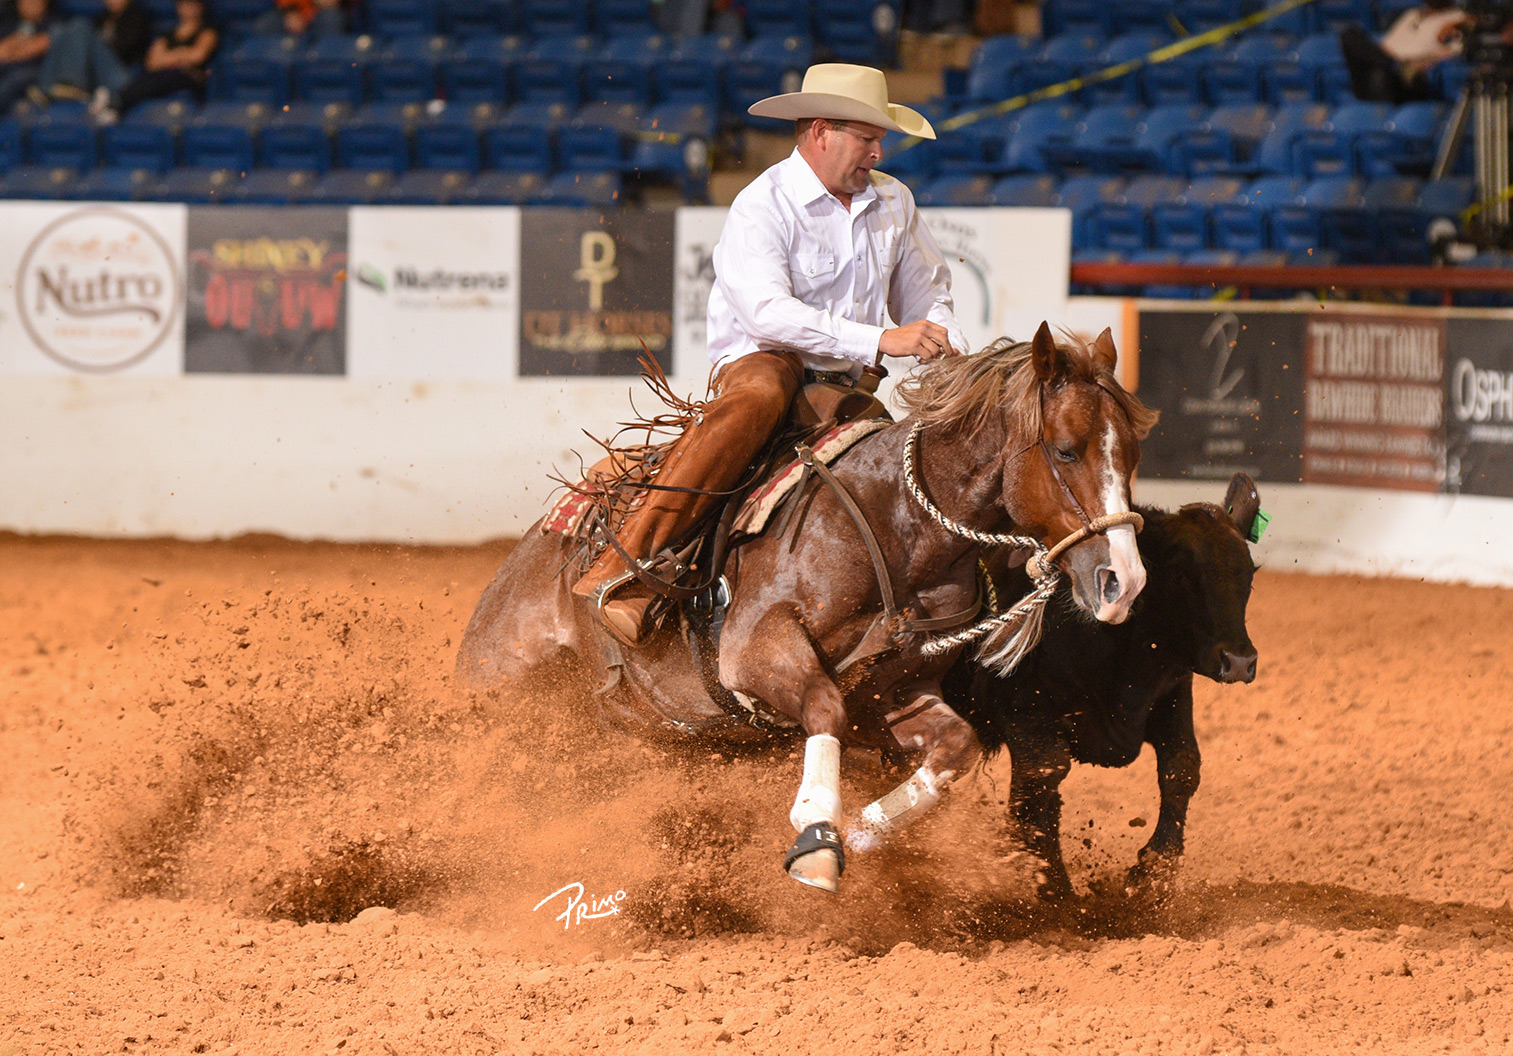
column 580, row 909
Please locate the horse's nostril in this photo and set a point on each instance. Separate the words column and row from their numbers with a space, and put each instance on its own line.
column 1110, row 590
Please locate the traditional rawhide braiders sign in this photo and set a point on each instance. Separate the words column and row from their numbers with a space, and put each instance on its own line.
column 1479, row 407
column 594, row 289
column 267, row 291
column 1374, row 407
column 1229, row 386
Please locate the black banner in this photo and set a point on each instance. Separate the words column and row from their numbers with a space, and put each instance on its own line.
column 267, row 291
column 1229, row 386
column 1479, row 407
column 594, row 288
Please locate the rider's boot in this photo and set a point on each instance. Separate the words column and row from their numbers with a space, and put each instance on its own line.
column 752, row 396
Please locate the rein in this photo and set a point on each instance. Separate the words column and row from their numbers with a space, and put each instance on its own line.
column 1041, row 566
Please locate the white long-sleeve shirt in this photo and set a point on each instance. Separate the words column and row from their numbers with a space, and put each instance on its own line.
column 796, row 269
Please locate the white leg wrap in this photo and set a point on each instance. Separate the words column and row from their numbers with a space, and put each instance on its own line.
column 819, row 797
column 893, row 811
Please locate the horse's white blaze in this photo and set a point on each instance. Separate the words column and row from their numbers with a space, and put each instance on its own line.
column 819, row 797
column 896, row 809
column 1124, row 555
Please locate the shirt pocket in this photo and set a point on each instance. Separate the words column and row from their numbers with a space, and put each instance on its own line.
column 812, row 273
column 885, row 250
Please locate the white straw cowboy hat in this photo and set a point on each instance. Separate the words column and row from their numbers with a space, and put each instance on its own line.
column 843, row 92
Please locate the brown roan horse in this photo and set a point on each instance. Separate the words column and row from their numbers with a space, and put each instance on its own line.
column 1036, row 439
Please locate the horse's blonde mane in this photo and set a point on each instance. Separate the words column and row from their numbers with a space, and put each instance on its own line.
column 961, row 392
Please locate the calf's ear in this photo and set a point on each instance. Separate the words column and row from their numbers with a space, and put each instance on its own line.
column 1242, row 502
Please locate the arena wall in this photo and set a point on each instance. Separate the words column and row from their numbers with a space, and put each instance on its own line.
column 415, row 375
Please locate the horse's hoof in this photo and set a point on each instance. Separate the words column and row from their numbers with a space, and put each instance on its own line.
column 821, row 869
column 816, row 857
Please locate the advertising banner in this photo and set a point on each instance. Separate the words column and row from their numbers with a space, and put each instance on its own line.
column 92, row 289
column 433, row 294
column 1229, row 386
column 267, row 291
column 1374, row 410
column 1479, row 407
column 596, row 291
column 698, row 229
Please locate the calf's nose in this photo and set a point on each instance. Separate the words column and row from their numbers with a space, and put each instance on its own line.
column 1236, row 666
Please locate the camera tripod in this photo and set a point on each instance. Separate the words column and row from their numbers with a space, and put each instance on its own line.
column 1483, row 107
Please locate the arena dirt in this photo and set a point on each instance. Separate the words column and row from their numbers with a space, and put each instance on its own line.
column 243, row 812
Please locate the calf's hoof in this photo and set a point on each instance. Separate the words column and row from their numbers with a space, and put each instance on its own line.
column 817, row 857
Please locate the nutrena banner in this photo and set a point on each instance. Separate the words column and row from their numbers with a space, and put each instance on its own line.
column 92, row 289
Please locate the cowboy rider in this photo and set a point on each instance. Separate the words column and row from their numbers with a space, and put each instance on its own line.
column 816, row 256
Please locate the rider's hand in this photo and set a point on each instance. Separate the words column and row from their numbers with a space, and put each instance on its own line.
column 924, row 339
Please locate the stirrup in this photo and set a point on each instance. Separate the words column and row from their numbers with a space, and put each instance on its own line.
column 601, row 598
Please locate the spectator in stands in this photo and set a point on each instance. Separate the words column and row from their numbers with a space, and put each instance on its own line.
column 25, row 36
column 98, row 54
column 1393, row 69
column 178, row 61
column 298, row 17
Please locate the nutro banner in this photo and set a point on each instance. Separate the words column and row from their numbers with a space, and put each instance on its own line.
column 1229, row 386
column 596, row 291
column 267, row 291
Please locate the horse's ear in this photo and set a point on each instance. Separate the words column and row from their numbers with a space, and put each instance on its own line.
column 1242, row 502
column 1104, row 353
column 1049, row 361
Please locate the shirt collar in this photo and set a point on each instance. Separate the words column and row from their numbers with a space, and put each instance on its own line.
column 807, row 187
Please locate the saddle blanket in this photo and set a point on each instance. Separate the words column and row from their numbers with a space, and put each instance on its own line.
column 567, row 513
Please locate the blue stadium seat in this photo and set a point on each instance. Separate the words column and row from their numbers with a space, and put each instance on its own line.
column 1276, row 155
column 236, row 19
column 596, row 138
column 1321, row 54
column 1026, row 191
column 1345, row 225
column 111, row 185
column 1391, row 199
column 779, row 18
column 1075, row 16
column 1184, row 224
column 334, row 70
column 1333, row 15
column 350, row 187
column 974, row 147
column 1227, row 80
column 62, row 143
column 274, row 187
column 518, row 142
column 39, row 182
column 552, row 69
column 428, row 187
column 692, row 71
column 171, row 113
column 10, row 143
column 1121, row 49
column 373, row 140
column 260, row 69
column 207, row 143
column 582, row 190
column 1081, row 194
column 138, row 146
column 674, row 143
column 858, row 32
column 1132, row 15
column 622, row 72
column 405, row 70
column 1154, row 135
column 448, row 141
column 1198, row 16
column 1242, row 224
column 394, row 19
column 917, row 159
column 1060, row 58
column 554, row 18
column 1036, row 126
column 1124, row 223
column 992, row 71
column 766, row 66
column 295, row 141
column 1418, row 127
column 624, row 18
column 465, row 19
column 480, row 69
column 956, row 189
column 1289, row 81
column 1177, row 80
column 193, row 186
column 1103, row 136
column 505, row 188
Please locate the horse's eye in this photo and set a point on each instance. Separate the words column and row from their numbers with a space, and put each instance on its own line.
column 1066, row 454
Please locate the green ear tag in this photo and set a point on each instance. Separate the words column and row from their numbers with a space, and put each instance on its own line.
column 1258, row 526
